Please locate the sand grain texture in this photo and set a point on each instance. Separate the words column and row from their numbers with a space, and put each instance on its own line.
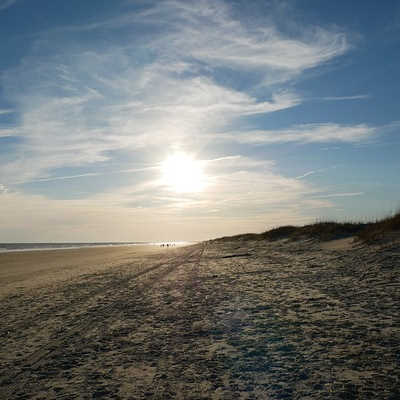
column 226, row 320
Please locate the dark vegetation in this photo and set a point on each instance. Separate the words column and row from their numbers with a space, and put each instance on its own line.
column 368, row 232
column 381, row 229
column 318, row 230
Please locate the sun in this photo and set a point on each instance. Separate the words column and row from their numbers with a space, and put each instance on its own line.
column 182, row 173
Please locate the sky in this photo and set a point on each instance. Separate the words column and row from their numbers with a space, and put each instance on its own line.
column 152, row 120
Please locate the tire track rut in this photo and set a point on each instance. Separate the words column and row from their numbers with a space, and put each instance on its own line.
column 89, row 320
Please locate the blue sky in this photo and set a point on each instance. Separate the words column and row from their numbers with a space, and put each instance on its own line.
column 287, row 110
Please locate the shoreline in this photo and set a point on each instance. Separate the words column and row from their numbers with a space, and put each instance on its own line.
column 27, row 269
column 78, row 245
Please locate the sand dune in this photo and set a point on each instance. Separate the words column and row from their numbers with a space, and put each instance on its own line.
column 222, row 320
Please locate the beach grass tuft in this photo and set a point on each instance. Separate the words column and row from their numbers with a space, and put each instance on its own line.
column 380, row 229
column 367, row 232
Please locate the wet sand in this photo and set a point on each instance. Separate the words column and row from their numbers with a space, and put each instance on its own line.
column 222, row 320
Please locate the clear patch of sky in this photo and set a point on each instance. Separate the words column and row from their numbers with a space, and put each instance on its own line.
column 370, row 17
column 294, row 159
column 22, row 22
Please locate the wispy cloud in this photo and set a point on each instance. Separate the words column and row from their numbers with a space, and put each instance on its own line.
column 133, row 110
column 78, row 107
column 339, row 98
column 306, row 133
column 82, row 106
column 5, row 111
column 239, row 187
column 208, row 33
column 205, row 162
column 226, row 158
column 6, row 3
column 89, row 174
column 305, row 174
column 351, row 194
column 7, row 132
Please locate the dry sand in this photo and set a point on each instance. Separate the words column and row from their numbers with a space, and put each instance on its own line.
column 222, row 320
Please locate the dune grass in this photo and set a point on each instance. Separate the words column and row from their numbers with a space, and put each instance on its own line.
column 328, row 230
column 380, row 229
column 369, row 232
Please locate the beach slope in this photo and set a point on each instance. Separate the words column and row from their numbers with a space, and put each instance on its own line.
column 218, row 320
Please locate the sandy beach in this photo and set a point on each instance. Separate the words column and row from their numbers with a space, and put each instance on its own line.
column 28, row 269
column 217, row 320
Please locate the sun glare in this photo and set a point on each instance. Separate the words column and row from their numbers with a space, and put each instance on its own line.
column 182, row 173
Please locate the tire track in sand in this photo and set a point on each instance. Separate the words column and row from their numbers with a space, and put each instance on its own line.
column 14, row 380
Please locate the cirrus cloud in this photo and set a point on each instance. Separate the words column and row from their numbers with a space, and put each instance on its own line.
column 80, row 104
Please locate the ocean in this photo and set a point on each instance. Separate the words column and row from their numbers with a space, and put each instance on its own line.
column 8, row 247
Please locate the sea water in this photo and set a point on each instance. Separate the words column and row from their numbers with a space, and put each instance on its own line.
column 7, row 247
